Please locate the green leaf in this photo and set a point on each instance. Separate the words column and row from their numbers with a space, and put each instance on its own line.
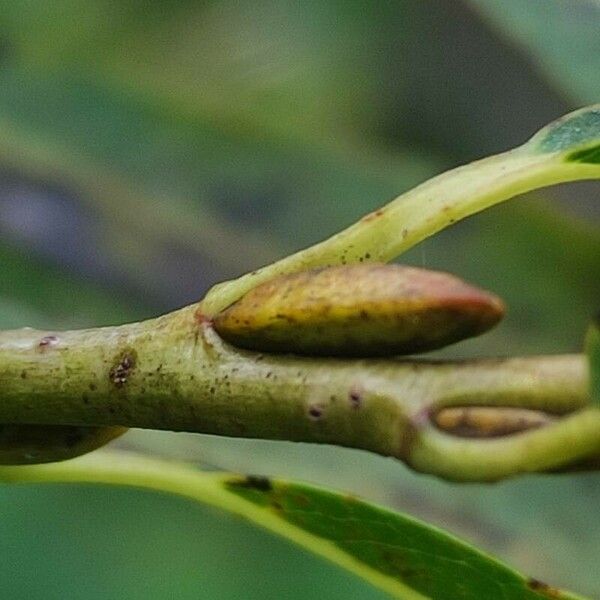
column 406, row 558
column 593, row 351
column 587, row 155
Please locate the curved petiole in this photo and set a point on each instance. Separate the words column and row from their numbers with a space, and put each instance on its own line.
column 566, row 150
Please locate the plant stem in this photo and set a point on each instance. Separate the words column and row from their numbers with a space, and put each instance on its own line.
column 416, row 215
column 175, row 373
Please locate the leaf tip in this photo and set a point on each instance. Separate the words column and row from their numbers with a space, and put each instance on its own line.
column 572, row 131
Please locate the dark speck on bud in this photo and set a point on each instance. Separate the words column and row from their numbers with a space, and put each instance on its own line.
column 355, row 397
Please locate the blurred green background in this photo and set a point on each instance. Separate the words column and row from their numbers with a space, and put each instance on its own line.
column 151, row 149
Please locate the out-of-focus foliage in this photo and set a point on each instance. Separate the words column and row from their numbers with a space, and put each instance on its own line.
column 150, row 149
column 593, row 350
column 561, row 38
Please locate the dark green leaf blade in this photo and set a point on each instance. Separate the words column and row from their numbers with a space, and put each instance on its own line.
column 400, row 555
column 422, row 558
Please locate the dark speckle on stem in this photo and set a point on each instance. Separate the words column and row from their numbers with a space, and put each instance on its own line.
column 315, row 412
column 374, row 215
column 48, row 341
column 121, row 371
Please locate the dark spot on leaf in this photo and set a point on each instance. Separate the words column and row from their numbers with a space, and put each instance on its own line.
column 254, row 482
column 300, row 500
column 543, row 588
